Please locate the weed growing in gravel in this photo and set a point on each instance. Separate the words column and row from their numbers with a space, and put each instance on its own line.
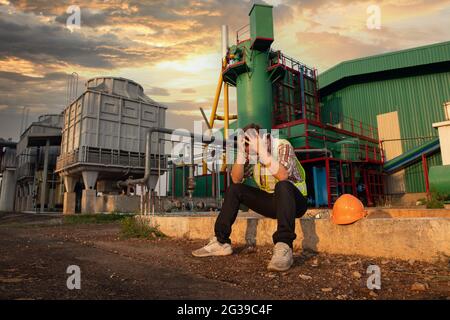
column 135, row 228
column 436, row 201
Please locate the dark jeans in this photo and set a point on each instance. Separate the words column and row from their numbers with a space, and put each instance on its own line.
column 285, row 204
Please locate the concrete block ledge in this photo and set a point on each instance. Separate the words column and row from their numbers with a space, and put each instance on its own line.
column 418, row 238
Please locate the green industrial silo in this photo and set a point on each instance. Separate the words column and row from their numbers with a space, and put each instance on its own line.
column 248, row 70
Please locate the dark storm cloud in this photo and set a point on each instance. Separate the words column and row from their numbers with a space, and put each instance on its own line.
column 40, row 94
column 188, row 90
column 183, row 113
column 189, row 25
column 35, row 32
column 155, row 91
column 51, row 43
column 157, row 13
column 206, row 14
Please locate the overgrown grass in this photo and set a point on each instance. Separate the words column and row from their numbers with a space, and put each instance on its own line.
column 94, row 218
column 135, row 228
column 436, row 201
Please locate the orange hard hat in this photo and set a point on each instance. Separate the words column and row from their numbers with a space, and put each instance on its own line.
column 347, row 209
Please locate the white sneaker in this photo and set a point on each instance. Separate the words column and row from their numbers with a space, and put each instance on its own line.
column 282, row 258
column 213, row 248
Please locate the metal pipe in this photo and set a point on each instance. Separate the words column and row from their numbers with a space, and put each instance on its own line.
column 425, row 174
column 218, row 182
column 226, row 110
column 327, row 174
column 314, row 150
column 191, row 181
column 159, row 168
column 412, row 138
column 167, row 183
column 174, row 171
column 230, row 117
column 148, row 147
column 141, row 203
column 44, row 175
column 213, row 182
column 216, row 101
column 224, row 40
column 205, row 118
column 183, row 191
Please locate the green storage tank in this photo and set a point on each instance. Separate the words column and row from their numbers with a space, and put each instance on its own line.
column 439, row 178
column 254, row 89
column 248, row 71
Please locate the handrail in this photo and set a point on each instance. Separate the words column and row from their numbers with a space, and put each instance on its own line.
column 291, row 63
column 355, row 126
column 241, row 31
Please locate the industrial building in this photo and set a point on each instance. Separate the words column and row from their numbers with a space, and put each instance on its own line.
column 400, row 93
column 38, row 186
column 375, row 127
column 365, row 127
column 7, row 174
column 28, row 168
column 103, row 142
column 73, row 162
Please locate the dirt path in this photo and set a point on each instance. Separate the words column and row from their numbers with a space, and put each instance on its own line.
column 36, row 250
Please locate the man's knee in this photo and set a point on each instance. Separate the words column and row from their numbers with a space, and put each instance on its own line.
column 234, row 188
column 283, row 186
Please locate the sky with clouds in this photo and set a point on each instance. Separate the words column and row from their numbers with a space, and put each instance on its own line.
column 172, row 47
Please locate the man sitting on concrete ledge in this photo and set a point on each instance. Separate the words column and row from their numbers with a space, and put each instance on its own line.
column 281, row 194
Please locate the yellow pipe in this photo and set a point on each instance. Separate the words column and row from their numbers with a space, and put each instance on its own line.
column 217, row 96
column 216, row 101
column 213, row 117
column 204, row 167
column 230, row 117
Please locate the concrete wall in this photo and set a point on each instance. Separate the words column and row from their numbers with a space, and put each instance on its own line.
column 117, row 203
column 425, row 239
column 405, row 200
column 103, row 203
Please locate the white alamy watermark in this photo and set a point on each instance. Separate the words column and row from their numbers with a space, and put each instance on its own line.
column 74, row 280
column 73, row 21
column 374, row 20
column 252, row 146
column 374, row 280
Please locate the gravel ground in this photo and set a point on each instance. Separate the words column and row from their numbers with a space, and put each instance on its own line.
column 36, row 250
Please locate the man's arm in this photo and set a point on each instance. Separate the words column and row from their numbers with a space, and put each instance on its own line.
column 277, row 169
column 237, row 172
column 238, row 169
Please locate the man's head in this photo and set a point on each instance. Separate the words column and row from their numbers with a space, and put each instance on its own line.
column 254, row 126
column 251, row 128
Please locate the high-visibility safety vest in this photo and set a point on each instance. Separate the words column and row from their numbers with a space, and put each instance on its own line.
column 267, row 181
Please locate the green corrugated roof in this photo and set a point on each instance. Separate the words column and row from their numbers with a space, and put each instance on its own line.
column 435, row 53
